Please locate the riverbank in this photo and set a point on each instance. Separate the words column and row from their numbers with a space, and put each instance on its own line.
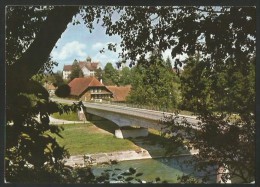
column 107, row 158
column 113, row 157
column 80, row 139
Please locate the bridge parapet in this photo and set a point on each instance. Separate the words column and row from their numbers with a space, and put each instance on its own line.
column 123, row 119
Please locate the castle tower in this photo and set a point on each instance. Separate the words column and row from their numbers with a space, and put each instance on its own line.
column 88, row 59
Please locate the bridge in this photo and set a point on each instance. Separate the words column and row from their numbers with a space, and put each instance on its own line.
column 126, row 116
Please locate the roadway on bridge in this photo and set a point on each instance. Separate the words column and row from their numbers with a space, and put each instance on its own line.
column 143, row 113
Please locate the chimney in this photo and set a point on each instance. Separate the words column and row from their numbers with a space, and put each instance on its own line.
column 101, row 81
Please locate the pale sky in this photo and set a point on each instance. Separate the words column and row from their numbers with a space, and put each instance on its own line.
column 78, row 43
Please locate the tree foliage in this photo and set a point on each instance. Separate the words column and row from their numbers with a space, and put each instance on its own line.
column 154, row 84
column 57, row 79
column 21, row 29
column 125, row 76
column 218, row 32
column 168, row 63
column 223, row 97
column 110, row 75
column 227, row 87
column 52, row 78
column 76, row 71
column 99, row 73
column 30, row 149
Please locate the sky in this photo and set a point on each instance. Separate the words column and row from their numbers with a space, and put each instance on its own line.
column 78, row 43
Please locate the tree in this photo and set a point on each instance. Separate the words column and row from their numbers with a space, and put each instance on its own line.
column 76, row 71
column 125, row 76
column 154, row 84
column 58, row 80
column 99, row 73
column 168, row 63
column 110, row 75
column 224, row 99
column 52, row 78
column 207, row 29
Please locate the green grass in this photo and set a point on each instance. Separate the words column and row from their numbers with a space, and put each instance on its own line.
column 98, row 137
column 72, row 116
column 88, row 139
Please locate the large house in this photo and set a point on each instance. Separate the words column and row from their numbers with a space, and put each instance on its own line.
column 66, row 71
column 89, row 89
column 88, row 68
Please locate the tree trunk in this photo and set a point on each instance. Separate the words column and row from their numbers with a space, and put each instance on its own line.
column 38, row 52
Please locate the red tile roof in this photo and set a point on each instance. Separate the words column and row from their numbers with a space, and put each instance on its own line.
column 79, row 85
column 119, row 93
column 82, row 64
column 92, row 66
column 67, row 67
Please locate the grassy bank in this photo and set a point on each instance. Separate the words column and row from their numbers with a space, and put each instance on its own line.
column 89, row 139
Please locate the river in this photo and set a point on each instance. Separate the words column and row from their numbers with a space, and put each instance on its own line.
column 168, row 169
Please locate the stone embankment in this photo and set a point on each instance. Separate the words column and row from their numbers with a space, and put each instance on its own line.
column 107, row 158
column 113, row 157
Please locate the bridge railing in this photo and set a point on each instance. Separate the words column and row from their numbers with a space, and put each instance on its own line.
column 156, row 108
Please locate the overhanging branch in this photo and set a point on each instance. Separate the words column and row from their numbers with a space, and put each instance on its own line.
column 38, row 52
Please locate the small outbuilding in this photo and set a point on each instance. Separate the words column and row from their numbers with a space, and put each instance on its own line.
column 119, row 92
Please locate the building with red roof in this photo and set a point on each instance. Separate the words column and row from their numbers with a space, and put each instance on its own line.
column 88, row 89
column 66, row 71
column 88, row 68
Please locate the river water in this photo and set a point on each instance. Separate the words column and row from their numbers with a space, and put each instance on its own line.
column 168, row 169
